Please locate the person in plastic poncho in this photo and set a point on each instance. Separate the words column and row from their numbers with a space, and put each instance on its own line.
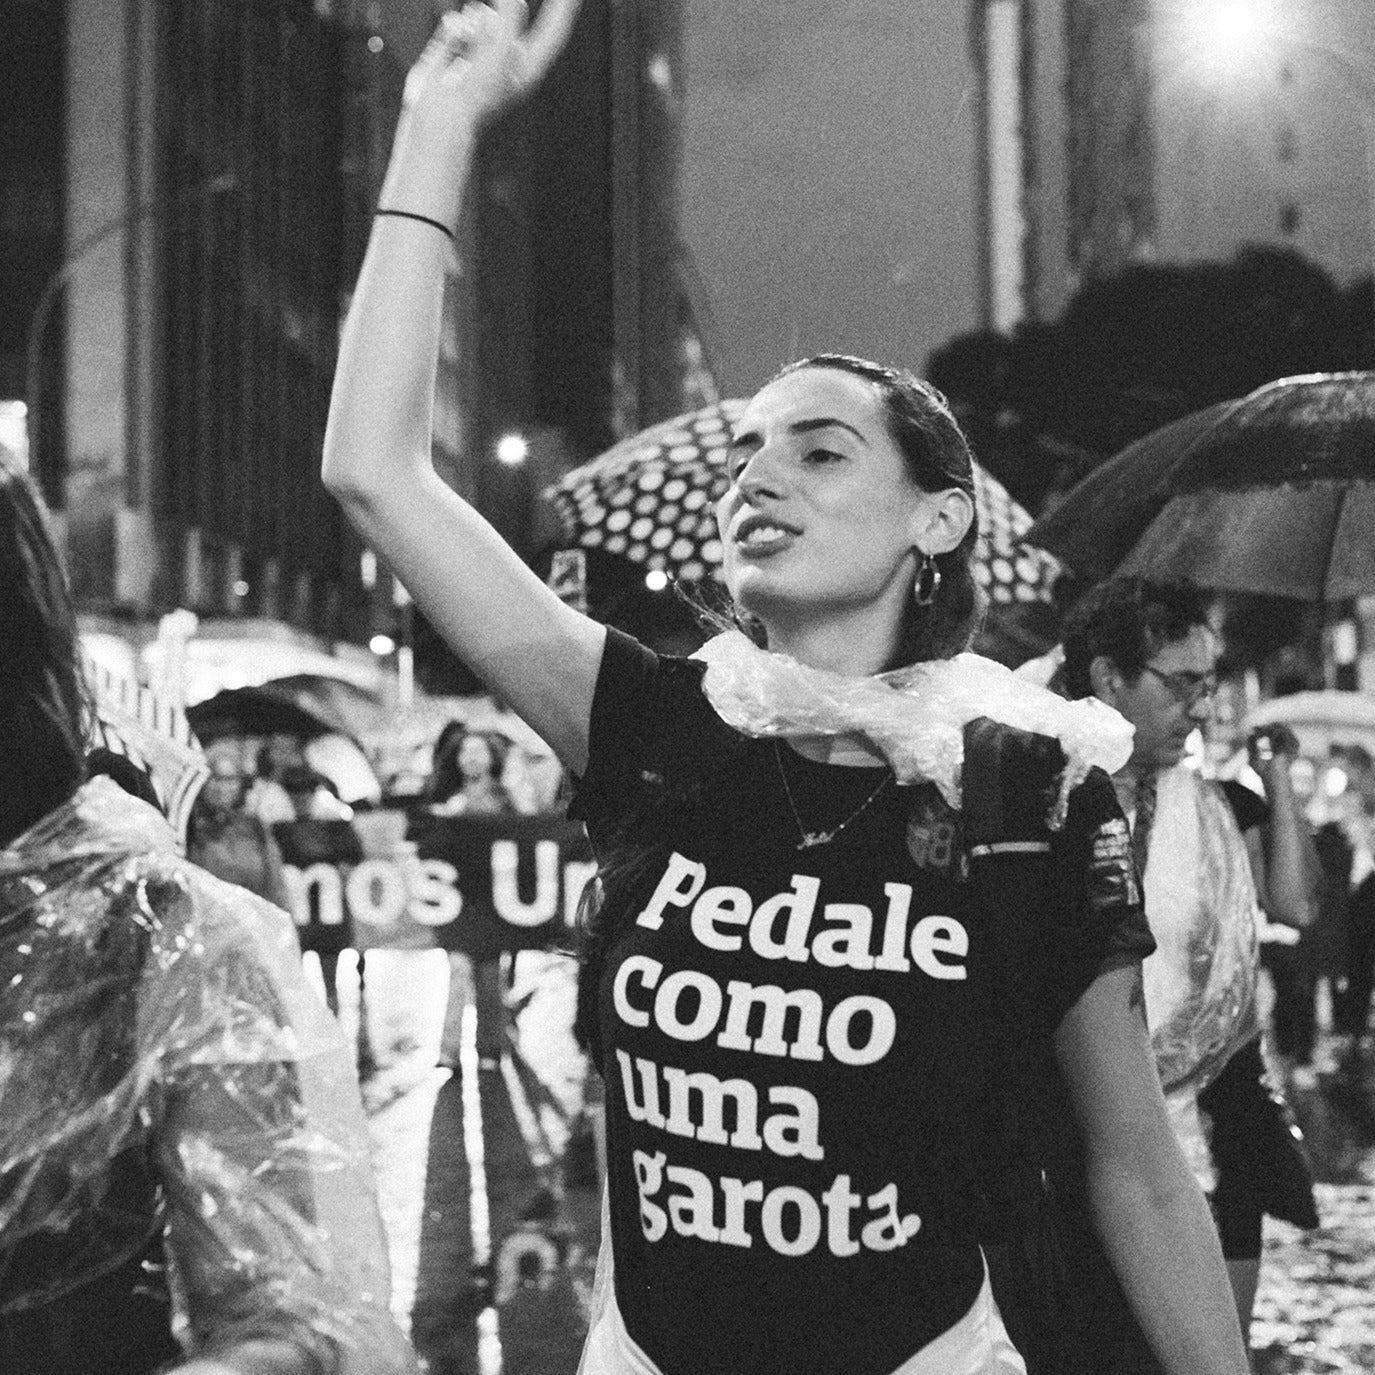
column 1212, row 857
column 184, row 1172
column 789, row 1000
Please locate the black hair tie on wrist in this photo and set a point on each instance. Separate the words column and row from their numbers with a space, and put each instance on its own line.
column 423, row 219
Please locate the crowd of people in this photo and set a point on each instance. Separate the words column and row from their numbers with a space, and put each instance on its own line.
column 927, row 997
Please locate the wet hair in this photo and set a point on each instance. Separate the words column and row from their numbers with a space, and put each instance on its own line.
column 938, row 458
column 1127, row 620
column 44, row 701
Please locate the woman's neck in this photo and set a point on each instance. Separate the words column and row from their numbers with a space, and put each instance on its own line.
column 846, row 647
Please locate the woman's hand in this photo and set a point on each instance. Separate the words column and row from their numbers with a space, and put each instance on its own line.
column 481, row 59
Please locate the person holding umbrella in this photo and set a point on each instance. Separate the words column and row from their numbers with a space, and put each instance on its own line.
column 1212, row 857
column 810, row 1000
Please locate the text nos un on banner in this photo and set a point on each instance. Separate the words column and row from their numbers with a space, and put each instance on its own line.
column 466, row 883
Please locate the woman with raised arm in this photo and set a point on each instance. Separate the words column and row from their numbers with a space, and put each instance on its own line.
column 861, row 892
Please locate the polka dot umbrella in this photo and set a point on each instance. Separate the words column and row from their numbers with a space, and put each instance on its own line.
column 651, row 499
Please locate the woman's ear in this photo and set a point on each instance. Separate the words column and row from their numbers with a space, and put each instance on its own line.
column 945, row 520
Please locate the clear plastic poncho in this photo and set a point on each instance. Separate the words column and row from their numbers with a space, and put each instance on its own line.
column 914, row 716
column 1201, row 981
column 146, row 1006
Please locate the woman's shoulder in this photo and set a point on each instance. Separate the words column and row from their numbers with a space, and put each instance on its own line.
column 654, row 731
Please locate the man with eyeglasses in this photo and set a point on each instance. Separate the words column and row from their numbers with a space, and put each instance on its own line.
column 1211, row 861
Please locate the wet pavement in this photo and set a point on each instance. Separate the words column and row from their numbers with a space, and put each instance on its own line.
column 488, row 1184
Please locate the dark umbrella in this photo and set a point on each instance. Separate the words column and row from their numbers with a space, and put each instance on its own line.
column 1273, row 494
column 651, row 499
column 1094, row 526
column 261, row 710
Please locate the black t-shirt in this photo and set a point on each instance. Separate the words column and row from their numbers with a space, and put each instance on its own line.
column 797, row 1043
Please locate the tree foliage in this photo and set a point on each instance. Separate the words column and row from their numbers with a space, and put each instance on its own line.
column 1137, row 350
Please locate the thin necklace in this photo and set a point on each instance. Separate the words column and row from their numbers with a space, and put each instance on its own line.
column 810, row 839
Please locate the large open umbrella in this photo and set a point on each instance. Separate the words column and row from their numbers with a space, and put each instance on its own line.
column 651, row 499
column 1273, row 494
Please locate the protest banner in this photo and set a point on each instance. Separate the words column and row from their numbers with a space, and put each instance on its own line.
column 480, row 884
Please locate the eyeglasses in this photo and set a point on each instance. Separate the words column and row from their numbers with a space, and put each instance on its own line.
column 1188, row 689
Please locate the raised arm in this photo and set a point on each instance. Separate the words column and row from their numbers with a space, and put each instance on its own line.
column 1150, row 1215
column 531, row 649
column 1284, row 859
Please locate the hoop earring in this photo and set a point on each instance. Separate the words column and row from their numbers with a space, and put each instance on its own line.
column 928, row 580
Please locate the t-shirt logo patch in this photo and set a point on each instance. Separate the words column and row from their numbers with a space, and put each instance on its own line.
column 933, row 836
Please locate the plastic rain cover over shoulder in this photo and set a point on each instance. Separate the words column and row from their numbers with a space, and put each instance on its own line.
column 1202, row 908
column 146, row 1007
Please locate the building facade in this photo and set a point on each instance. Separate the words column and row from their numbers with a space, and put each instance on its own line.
column 1123, row 131
column 188, row 187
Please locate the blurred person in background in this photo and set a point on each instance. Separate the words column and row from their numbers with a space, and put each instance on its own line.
column 467, row 772
column 283, row 771
column 466, row 780
column 184, row 1175
column 1211, row 858
column 1352, row 1010
column 1351, row 1004
column 224, row 837
column 533, row 780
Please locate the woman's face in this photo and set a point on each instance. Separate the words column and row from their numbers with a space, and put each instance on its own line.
column 474, row 758
column 821, row 516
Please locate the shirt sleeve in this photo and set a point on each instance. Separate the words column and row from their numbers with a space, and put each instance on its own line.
column 1099, row 921
column 652, row 731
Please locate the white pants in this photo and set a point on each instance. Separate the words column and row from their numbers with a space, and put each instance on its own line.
column 977, row 1345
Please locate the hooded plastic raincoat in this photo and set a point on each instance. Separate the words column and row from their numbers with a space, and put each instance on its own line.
column 171, row 1090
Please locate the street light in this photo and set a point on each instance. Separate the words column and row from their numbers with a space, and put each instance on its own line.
column 1230, row 29
column 52, row 288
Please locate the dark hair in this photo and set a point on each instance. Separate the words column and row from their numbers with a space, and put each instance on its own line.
column 938, row 457
column 445, row 777
column 1127, row 620
column 44, row 703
